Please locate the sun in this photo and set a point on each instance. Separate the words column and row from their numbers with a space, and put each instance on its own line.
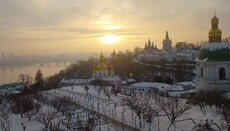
column 110, row 39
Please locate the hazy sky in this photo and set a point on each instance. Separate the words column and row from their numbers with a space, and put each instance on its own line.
column 74, row 26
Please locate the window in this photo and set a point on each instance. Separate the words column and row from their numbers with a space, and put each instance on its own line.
column 222, row 74
column 201, row 71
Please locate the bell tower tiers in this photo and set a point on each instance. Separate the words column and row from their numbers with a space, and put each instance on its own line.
column 215, row 33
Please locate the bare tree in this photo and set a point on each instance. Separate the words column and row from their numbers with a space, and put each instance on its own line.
column 33, row 112
column 5, row 122
column 62, row 104
column 99, row 89
column 83, row 122
column 215, row 98
column 22, row 104
column 86, row 124
column 150, row 113
column 137, row 104
column 99, row 85
column 116, row 89
column 86, row 88
column 172, row 107
column 25, row 79
column 46, row 117
column 223, row 110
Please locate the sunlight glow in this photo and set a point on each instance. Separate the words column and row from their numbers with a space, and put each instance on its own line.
column 110, row 39
column 112, row 27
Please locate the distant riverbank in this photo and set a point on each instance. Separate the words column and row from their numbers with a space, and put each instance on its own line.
column 9, row 74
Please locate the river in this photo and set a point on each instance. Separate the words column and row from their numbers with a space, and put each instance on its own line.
column 10, row 74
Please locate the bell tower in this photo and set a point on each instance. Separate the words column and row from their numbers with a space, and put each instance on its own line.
column 167, row 43
column 215, row 33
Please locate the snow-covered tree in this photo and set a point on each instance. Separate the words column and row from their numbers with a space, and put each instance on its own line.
column 172, row 107
column 46, row 117
column 5, row 121
column 34, row 111
column 138, row 104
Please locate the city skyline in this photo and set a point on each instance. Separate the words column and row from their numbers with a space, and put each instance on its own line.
column 70, row 26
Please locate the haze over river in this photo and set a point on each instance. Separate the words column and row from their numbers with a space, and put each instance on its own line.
column 10, row 74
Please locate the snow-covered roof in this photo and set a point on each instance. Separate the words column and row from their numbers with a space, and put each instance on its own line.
column 160, row 86
column 215, row 46
column 75, row 81
column 186, row 83
column 124, row 83
column 131, row 80
column 113, row 78
column 16, row 92
column 175, row 88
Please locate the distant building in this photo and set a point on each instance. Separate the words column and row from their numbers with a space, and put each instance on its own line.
column 101, row 72
column 213, row 63
column 114, row 55
column 151, row 53
column 167, row 43
column 150, row 48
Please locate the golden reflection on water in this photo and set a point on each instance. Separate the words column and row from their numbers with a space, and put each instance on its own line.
column 10, row 74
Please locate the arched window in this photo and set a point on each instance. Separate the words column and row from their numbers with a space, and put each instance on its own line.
column 201, row 71
column 222, row 74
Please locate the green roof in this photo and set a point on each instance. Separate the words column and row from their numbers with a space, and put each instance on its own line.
column 214, row 52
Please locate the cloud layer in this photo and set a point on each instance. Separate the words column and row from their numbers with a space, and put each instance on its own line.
column 68, row 26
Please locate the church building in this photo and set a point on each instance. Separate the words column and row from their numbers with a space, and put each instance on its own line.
column 101, row 71
column 167, row 43
column 150, row 48
column 104, row 73
column 213, row 62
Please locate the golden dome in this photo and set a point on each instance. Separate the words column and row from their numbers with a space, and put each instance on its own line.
column 215, row 33
column 102, row 58
column 215, row 19
column 102, row 65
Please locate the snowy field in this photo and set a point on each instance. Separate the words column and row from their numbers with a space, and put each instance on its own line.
column 113, row 108
column 101, row 103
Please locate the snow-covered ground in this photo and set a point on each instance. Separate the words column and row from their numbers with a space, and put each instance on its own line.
column 113, row 108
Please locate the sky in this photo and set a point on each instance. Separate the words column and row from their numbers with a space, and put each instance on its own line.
column 83, row 26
